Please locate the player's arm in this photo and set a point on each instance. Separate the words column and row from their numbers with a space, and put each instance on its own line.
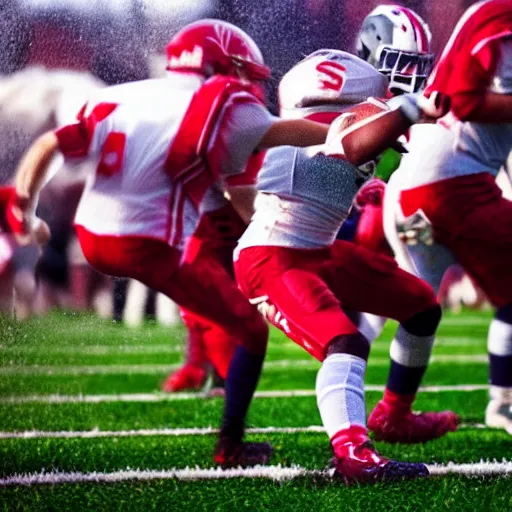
column 33, row 168
column 362, row 141
column 294, row 132
column 492, row 108
column 469, row 85
column 242, row 198
column 31, row 176
column 241, row 189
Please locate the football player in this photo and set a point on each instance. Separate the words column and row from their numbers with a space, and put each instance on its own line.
column 159, row 146
column 450, row 208
column 311, row 286
column 396, row 41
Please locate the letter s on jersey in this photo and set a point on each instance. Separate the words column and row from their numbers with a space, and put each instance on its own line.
column 331, row 75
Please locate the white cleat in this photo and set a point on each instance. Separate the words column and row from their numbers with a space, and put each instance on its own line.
column 499, row 415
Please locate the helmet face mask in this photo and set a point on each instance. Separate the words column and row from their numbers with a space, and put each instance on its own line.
column 396, row 41
column 406, row 71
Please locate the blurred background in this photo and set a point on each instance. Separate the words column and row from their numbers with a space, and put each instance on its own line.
column 53, row 53
column 116, row 39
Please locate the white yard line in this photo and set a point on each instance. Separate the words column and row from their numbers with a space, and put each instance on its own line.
column 172, row 432
column 151, row 369
column 276, row 473
column 169, row 432
column 162, row 397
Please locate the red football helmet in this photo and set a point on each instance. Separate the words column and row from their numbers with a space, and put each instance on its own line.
column 215, row 47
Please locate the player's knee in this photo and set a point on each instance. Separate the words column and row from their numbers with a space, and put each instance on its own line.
column 425, row 322
column 354, row 344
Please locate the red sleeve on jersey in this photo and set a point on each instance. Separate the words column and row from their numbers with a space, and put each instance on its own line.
column 250, row 174
column 468, row 62
column 75, row 139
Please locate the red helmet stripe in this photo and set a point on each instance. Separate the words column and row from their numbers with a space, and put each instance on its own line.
column 420, row 34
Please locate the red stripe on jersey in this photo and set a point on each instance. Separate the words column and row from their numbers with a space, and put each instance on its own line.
column 195, row 133
column 178, row 233
column 75, row 139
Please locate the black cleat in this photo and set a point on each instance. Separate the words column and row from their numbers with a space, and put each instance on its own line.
column 229, row 453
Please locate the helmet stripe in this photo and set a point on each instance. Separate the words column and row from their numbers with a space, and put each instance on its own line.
column 420, row 34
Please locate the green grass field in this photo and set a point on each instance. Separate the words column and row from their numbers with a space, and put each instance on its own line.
column 80, row 407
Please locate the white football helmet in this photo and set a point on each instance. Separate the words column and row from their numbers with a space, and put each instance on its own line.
column 328, row 81
column 397, row 42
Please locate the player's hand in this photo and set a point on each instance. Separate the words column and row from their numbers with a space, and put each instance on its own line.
column 435, row 106
column 372, row 192
column 25, row 226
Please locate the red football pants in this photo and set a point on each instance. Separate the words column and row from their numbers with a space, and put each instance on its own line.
column 471, row 218
column 214, row 239
column 307, row 293
column 205, row 289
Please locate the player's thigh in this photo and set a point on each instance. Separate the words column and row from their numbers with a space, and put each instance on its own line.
column 209, row 291
column 301, row 304
column 484, row 248
column 365, row 281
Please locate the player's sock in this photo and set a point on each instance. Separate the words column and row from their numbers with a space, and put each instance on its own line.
column 340, row 395
column 499, row 345
column 410, row 352
column 242, row 379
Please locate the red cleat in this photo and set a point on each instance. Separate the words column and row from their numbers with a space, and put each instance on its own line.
column 188, row 376
column 398, row 425
column 229, row 453
column 361, row 463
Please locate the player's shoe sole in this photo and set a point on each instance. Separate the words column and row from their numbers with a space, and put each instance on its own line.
column 499, row 415
column 362, row 464
column 408, row 427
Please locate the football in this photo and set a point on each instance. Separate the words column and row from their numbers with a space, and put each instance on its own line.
column 367, row 109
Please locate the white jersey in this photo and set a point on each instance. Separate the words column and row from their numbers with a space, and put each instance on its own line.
column 454, row 148
column 326, row 79
column 135, row 129
column 303, row 199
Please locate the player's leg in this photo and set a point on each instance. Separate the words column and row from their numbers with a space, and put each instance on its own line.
column 209, row 292
column 208, row 344
column 474, row 221
column 209, row 289
column 498, row 413
column 193, row 373
column 298, row 301
column 399, row 295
